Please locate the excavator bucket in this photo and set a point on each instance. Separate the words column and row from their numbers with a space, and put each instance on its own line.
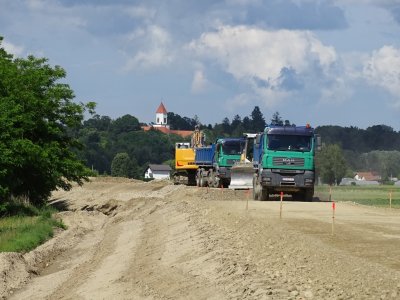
column 242, row 176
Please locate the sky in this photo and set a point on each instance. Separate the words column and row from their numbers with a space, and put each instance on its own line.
column 323, row 62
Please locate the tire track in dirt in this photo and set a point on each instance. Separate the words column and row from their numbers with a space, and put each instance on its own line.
column 169, row 244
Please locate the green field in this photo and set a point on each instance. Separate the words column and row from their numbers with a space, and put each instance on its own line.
column 366, row 195
column 27, row 228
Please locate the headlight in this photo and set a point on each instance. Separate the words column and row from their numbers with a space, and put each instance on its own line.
column 266, row 179
column 308, row 181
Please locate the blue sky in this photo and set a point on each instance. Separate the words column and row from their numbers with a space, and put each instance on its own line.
column 324, row 62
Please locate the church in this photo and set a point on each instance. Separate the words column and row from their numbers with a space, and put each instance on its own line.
column 162, row 125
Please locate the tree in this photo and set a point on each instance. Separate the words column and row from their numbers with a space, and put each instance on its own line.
column 37, row 121
column 330, row 164
column 176, row 122
column 277, row 119
column 226, row 126
column 125, row 123
column 122, row 166
column 101, row 123
column 257, row 120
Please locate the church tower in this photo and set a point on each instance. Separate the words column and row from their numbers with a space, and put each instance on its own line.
column 161, row 117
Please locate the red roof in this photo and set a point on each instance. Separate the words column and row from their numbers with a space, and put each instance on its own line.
column 182, row 133
column 161, row 109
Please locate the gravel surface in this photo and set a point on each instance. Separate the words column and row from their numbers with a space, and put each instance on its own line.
column 127, row 239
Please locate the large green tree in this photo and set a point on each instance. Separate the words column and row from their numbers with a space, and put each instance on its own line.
column 123, row 166
column 330, row 164
column 37, row 120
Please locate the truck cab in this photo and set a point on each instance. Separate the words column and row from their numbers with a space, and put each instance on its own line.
column 228, row 151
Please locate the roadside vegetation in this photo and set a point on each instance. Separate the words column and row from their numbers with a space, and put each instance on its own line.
column 38, row 121
column 366, row 195
column 24, row 227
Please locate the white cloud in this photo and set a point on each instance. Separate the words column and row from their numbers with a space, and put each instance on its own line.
column 199, row 82
column 155, row 48
column 383, row 69
column 12, row 49
column 258, row 56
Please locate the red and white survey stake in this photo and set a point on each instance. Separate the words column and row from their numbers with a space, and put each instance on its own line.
column 333, row 216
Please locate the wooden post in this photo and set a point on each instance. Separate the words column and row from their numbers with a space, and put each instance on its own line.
column 333, row 217
column 330, row 193
column 280, row 210
column 390, row 199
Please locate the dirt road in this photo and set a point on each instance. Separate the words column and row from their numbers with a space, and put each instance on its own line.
column 132, row 240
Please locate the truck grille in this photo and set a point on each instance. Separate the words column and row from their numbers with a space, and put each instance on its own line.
column 288, row 161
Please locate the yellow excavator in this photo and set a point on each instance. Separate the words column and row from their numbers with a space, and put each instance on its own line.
column 185, row 167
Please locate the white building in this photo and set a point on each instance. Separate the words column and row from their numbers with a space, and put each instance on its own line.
column 158, row 172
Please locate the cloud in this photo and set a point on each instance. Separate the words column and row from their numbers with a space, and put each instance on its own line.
column 12, row 49
column 273, row 63
column 383, row 69
column 152, row 46
column 199, row 82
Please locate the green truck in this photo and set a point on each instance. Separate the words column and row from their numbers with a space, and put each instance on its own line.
column 284, row 161
column 215, row 161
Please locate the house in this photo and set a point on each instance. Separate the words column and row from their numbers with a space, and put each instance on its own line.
column 158, row 171
column 367, row 176
column 162, row 124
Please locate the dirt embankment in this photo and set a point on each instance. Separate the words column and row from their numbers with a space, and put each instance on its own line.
column 133, row 240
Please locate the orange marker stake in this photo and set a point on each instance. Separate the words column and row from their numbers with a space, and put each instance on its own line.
column 280, row 210
column 333, row 217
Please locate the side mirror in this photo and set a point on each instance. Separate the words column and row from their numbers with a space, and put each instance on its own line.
column 318, row 142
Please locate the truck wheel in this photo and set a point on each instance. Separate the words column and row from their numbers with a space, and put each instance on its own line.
column 299, row 196
column 198, row 176
column 226, row 183
column 203, row 181
column 255, row 188
column 212, row 182
column 264, row 196
column 308, row 195
column 192, row 178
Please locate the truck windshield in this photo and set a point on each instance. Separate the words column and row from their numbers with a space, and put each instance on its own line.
column 289, row 142
column 232, row 148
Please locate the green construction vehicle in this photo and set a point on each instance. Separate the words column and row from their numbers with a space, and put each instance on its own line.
column 284, row 161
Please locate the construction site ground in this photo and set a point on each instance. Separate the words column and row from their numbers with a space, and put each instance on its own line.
column 129, row 239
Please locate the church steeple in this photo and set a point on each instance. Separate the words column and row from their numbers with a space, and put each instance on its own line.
column 161, row 116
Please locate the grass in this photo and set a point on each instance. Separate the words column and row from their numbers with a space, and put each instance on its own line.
column 26, row 227
column 366, row 195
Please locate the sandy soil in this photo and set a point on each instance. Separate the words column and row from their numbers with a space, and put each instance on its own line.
column 132, row 240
